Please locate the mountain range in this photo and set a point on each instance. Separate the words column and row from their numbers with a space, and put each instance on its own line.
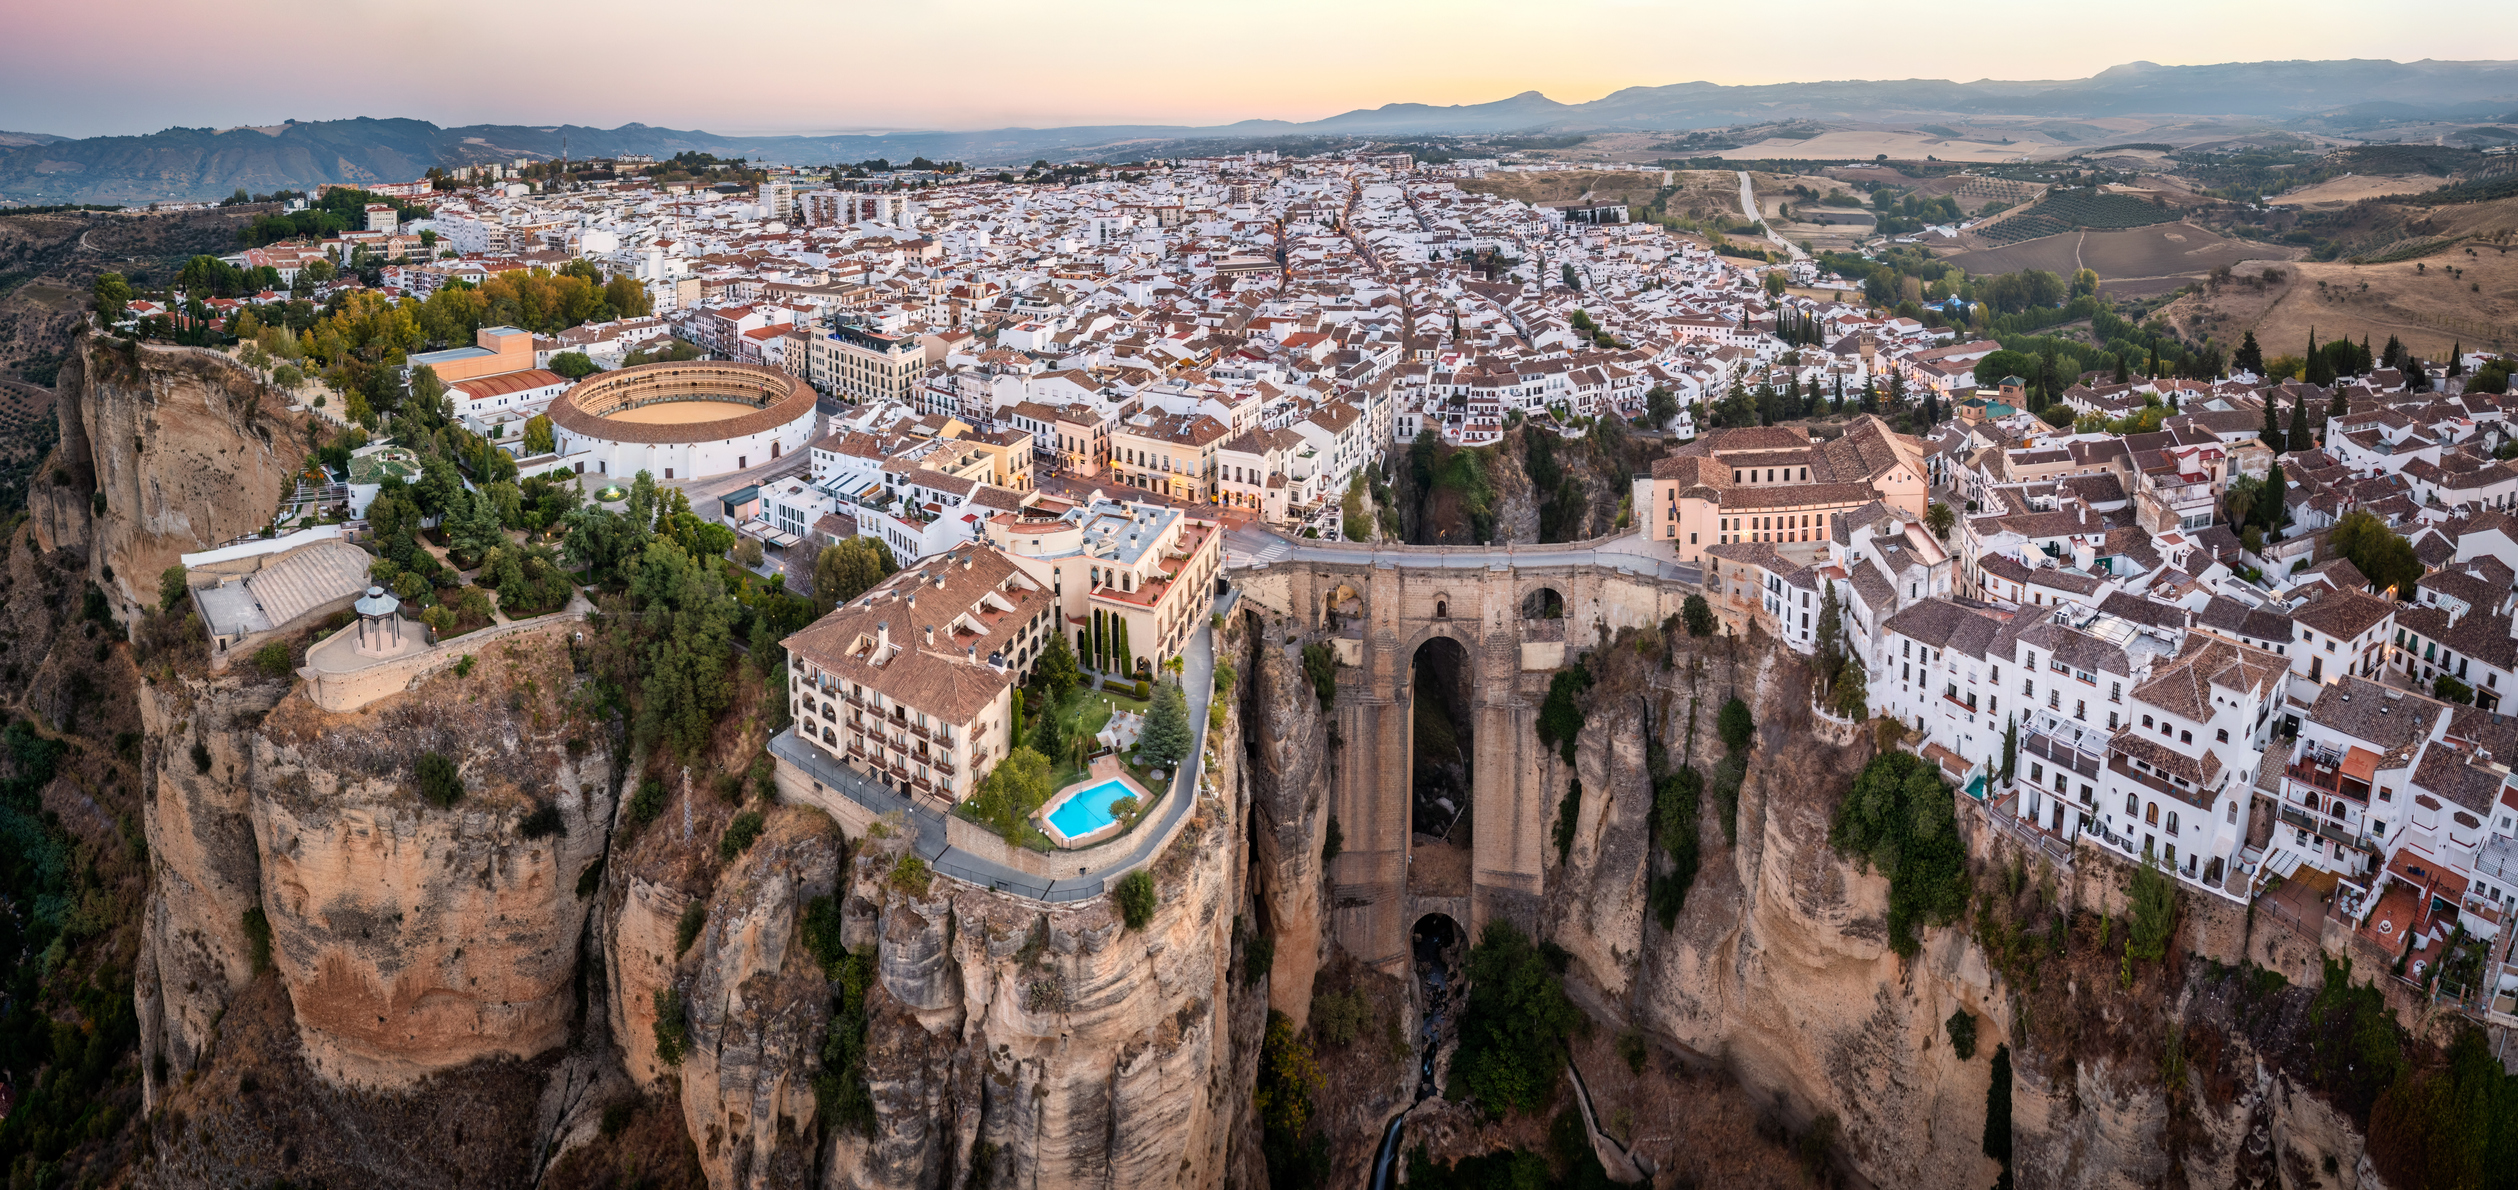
column 197, row 163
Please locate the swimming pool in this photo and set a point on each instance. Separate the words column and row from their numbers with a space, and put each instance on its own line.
column 1089, row 810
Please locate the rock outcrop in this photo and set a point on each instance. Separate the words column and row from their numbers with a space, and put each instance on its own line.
column 164, row 450
column 413, row 937
column 1286, row 748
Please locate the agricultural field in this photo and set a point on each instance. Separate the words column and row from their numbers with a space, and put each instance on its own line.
column 2467, row 293
column 2352, row 188
column 2133, row 262
column 2070, row 210
column 1629, row 187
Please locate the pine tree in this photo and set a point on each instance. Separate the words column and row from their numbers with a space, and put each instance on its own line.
column 1166, row 737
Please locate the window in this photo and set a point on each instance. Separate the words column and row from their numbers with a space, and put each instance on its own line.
column 2172, row 822
column 2223, row 733
column 2115, row 692
column 2185, row 737
column 2230, row 814
column 2146, row 723
column 2151, row 814
column 2133, row 805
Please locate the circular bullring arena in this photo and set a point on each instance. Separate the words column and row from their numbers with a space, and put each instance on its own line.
column 687, row 420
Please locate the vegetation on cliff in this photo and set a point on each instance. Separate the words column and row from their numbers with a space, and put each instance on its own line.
column 1898, row 819
column 1514, row 1032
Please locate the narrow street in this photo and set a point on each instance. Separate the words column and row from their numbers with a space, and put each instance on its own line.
column 1748, row 207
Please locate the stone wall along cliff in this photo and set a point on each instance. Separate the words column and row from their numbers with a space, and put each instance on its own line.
column 187, row 447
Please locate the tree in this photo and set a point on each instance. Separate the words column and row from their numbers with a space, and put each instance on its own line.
column 1699, row 616
column 2449, row 689
column 2320, row 367
column 2010, row 749
column 113, row 294
column 539, row 437
column 1939, row 519
column 1056, row 670
column 1734, row 725
column 1049, row 736
column 1660, row 407
column 1831, row 642
column 2272, row 436
column 171, row 589
column 848, row 569
column 1008, row 795
column 2382, row 556
column 2249, row 357
column 2300, row 436
column 1899, row 817
column 574, row 365
column 1166, row 737
column 1515, row 1029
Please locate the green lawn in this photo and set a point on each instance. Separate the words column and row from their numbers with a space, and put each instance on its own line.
column 1083, row 714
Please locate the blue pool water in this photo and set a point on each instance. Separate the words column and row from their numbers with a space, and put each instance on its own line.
column 1089, row 811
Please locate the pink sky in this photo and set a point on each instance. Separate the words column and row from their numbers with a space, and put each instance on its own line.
column 792, row 65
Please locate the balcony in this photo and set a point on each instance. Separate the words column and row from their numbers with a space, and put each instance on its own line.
column 2327, row 828
column 2327, row 777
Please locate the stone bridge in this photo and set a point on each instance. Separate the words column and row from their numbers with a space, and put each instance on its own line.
column 1494, row 625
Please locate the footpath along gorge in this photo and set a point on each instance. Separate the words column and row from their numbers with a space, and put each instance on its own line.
column 280, row 951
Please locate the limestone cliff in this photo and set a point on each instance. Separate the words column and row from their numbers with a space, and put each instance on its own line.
column 758, row 1005
column 1049, row 1042
column 412, row 937
column 1779, row 972
column 1288, row 751
column 164, row 450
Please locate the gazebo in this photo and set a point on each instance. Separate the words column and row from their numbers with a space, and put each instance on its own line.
column 379, row 623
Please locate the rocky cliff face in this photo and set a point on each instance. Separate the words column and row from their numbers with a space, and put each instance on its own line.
column 1050, row 1044
column 758, row 1007
column 1285, row 745
column 1779, row 972
column 413, row 938
column 166, row 450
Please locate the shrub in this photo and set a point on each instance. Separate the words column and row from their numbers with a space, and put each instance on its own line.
column 273, row 659
column 1258, row 959
column 1998, row 1111
column 616, row 1116
column 1560, row 718
column 821, row 933
column 200, row 757
column 1135, row 895
column 739, row 835
column 1338, row 1018
column 258, row 938
column 1734, row 725
column 686, row 931
column 840, row 1090
column 439, row 783
column 911, row 875
column 673, row 1034
column 765, row 778
column 1335, row 843
column 463, row 666
column 590, row 878
column 2154, row 914
column 1962, row 1027
column 648, row 801
column 543, row 823
column 1631, row 1047
column 1320, row 664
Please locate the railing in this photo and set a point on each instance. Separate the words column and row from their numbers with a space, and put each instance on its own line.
column 2325, row 828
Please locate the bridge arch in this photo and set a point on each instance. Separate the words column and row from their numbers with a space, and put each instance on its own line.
column 1544, row 600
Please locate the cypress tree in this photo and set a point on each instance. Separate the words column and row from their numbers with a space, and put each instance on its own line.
column 2456, row 359
column 2300, row 437
column 2010, row 748
column 1998, row 1111
column 1099, row 654
column 2250, row 357
column 2273, row 437
column 2270, row 509
column 2122, row 375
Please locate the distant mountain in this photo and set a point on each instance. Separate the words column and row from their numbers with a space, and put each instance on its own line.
column 195, row 163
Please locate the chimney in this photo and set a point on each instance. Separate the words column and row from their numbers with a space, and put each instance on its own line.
column 931, row 636
column 883, row 638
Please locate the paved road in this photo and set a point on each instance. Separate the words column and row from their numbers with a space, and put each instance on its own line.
column 928, row 820
column 1247, row 547
column 1748, row 207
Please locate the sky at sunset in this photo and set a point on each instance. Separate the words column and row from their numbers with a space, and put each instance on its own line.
column 790, row 66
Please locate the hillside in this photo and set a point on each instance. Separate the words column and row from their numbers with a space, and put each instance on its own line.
column 2466, row 294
